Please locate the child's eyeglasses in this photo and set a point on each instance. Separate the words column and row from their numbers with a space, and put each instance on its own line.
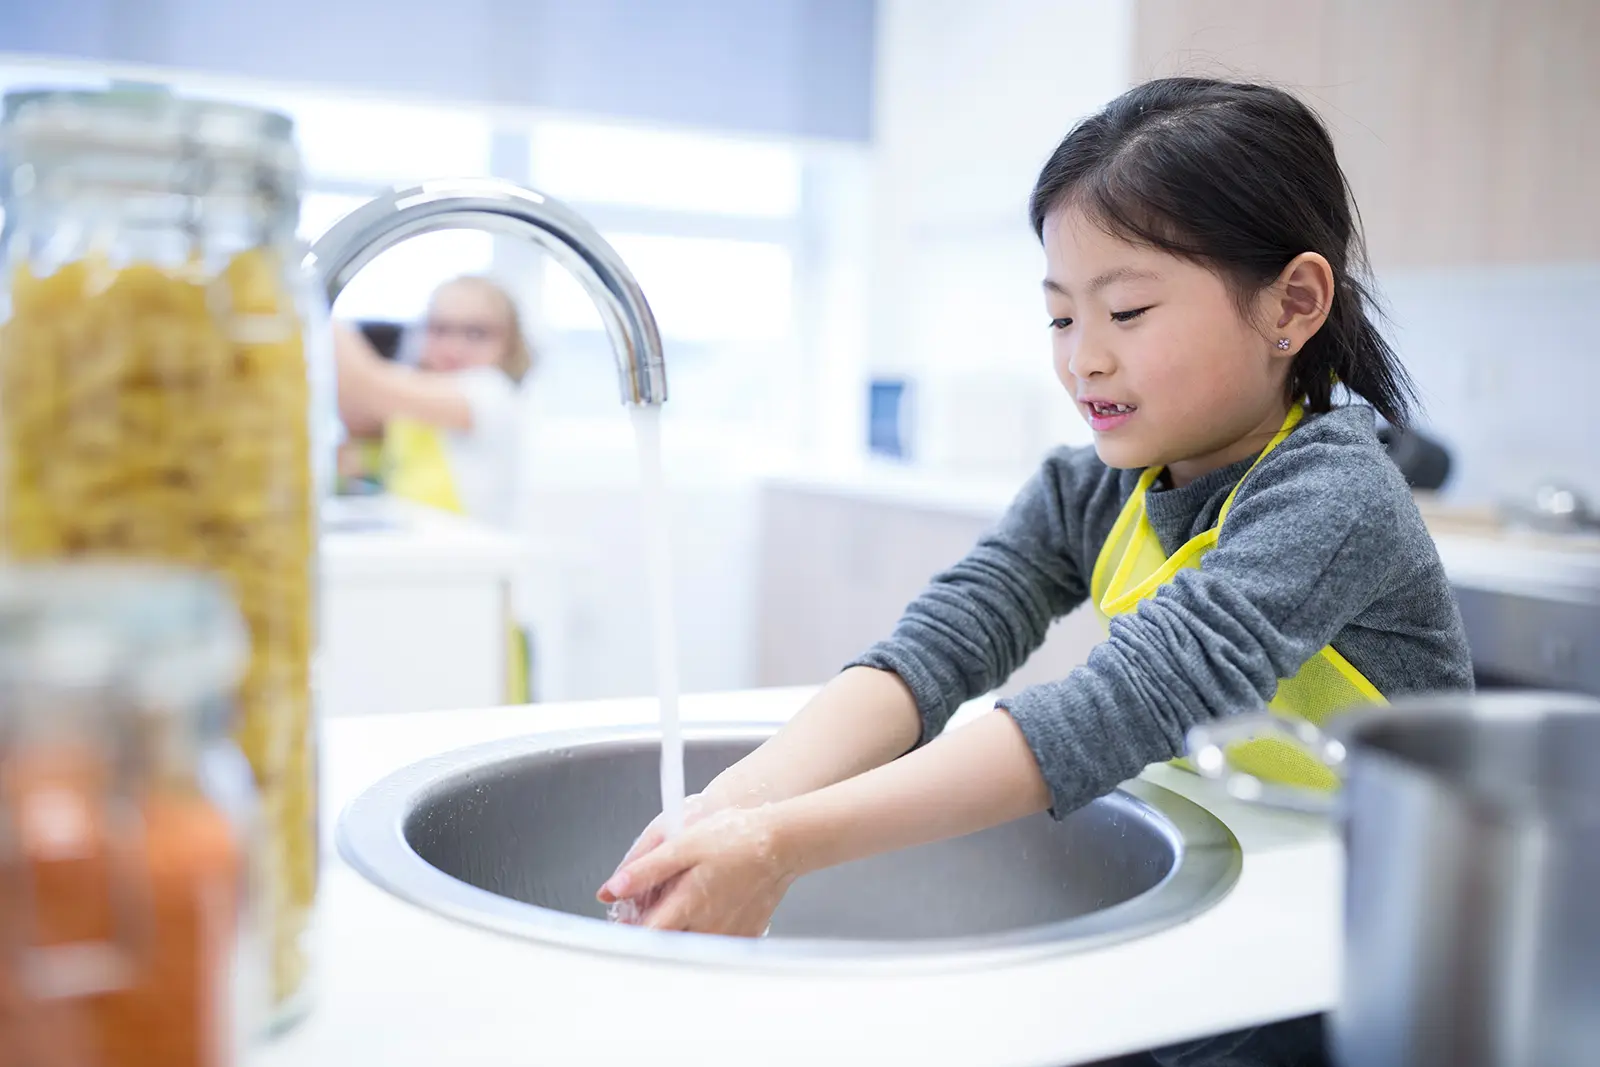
column 473, row 333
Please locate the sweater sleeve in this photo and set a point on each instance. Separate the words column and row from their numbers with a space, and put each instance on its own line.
column 979, row 620
column 1308, row 545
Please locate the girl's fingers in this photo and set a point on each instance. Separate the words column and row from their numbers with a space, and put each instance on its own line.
column 666, row 915
column 653, row 835
column 646, row 873
column 604, row 894
column 673, row 907
column 656, row 832
column 648, row 840
column 607, row 893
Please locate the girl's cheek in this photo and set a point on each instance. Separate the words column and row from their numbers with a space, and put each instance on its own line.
column 1062, row 362
column 1156, row 356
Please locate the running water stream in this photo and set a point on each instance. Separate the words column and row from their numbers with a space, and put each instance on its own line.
column 658, row 545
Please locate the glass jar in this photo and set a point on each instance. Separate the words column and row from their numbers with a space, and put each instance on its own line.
column 157, row 402
column 126, row 903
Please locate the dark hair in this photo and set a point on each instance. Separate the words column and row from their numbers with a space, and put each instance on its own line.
column 1240, row 178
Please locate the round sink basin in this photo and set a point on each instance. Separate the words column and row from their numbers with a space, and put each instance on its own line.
column 516, row 836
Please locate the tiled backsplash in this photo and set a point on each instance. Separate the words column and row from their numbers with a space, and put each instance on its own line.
column 1507, row 362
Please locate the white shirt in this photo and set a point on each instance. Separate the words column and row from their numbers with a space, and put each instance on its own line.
column 485, row 460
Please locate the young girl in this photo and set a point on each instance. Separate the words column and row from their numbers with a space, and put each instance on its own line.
column 1248, row 539
column 450, row 425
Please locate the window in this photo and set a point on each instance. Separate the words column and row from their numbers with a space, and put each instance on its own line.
column 701, row 289
column 396, row 286
column 667, row 170
column 319, row 211
column 352, row 147
column 711, row 227
column 377, row 143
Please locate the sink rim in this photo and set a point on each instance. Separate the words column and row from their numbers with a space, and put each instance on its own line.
column 371, row 839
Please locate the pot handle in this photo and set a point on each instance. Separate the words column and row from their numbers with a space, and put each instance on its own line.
column 1207, row 746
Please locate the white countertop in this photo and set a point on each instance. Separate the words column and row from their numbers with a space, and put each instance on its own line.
column 882, row 481
column 378, row 537
column 1473, row 553
column 400, row 986
column 1525, row 564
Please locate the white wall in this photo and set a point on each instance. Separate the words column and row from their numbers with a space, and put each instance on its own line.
column 970, row 100
column 1509, row 370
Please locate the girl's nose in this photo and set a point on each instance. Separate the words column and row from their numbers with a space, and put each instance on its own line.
column 1089, row 360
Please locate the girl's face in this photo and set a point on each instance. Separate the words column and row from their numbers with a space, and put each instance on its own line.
column 466, row 327
column 1154, row 350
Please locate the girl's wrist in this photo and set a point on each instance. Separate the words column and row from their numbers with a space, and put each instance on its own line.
column 794, row 829
column 729, row 790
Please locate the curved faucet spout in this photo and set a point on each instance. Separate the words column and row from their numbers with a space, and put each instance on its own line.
column 504, row 207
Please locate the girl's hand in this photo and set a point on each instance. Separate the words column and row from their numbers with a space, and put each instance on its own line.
column 722, row 793
column 695, row 808
column 724, row 875
column 630, row 910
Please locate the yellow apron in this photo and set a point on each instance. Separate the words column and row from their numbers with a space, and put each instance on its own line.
column 1133, row 566
column 416, row 467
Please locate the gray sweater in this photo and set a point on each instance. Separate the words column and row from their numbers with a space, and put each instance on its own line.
column 1323, row 546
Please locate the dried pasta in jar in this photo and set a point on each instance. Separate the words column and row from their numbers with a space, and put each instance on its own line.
column 160, row 413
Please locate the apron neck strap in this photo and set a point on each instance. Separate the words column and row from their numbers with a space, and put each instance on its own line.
column 1290, row 421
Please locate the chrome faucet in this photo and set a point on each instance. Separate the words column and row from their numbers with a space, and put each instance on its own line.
column 504, row 207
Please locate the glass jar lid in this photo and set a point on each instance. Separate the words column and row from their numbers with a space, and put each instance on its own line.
column 146, row 120
column 72, row 143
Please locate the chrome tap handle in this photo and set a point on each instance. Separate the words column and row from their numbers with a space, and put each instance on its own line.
column 503, row 207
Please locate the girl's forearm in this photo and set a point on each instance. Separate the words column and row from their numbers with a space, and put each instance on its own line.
column 352, row 352
column 430, row 398
column 862, row 719
column 373, row 390
column 976, row 777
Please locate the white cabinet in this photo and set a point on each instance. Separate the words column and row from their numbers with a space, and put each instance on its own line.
column 414, row 606
column 838, row 566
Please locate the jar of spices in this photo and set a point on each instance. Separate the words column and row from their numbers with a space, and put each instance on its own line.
column 126, row 815
column 161, row 400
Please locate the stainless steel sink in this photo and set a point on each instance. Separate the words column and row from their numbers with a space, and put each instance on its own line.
column 516, row 836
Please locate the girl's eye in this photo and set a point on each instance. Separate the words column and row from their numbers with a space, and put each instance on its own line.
column 1060, row 324
column 1129, row 316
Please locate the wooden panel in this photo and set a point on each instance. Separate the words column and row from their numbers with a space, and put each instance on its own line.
column 1545, row 131
column 1470, row 129
column 1249, row 40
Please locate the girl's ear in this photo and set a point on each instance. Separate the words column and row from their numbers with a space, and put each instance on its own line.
column 1297, row 303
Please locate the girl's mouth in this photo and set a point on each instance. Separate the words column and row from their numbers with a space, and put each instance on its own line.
column 1105, row 415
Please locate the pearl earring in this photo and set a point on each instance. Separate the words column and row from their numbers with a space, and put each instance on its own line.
column 1283, row 343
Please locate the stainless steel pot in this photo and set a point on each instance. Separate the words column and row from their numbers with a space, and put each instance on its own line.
column 1472, row 907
